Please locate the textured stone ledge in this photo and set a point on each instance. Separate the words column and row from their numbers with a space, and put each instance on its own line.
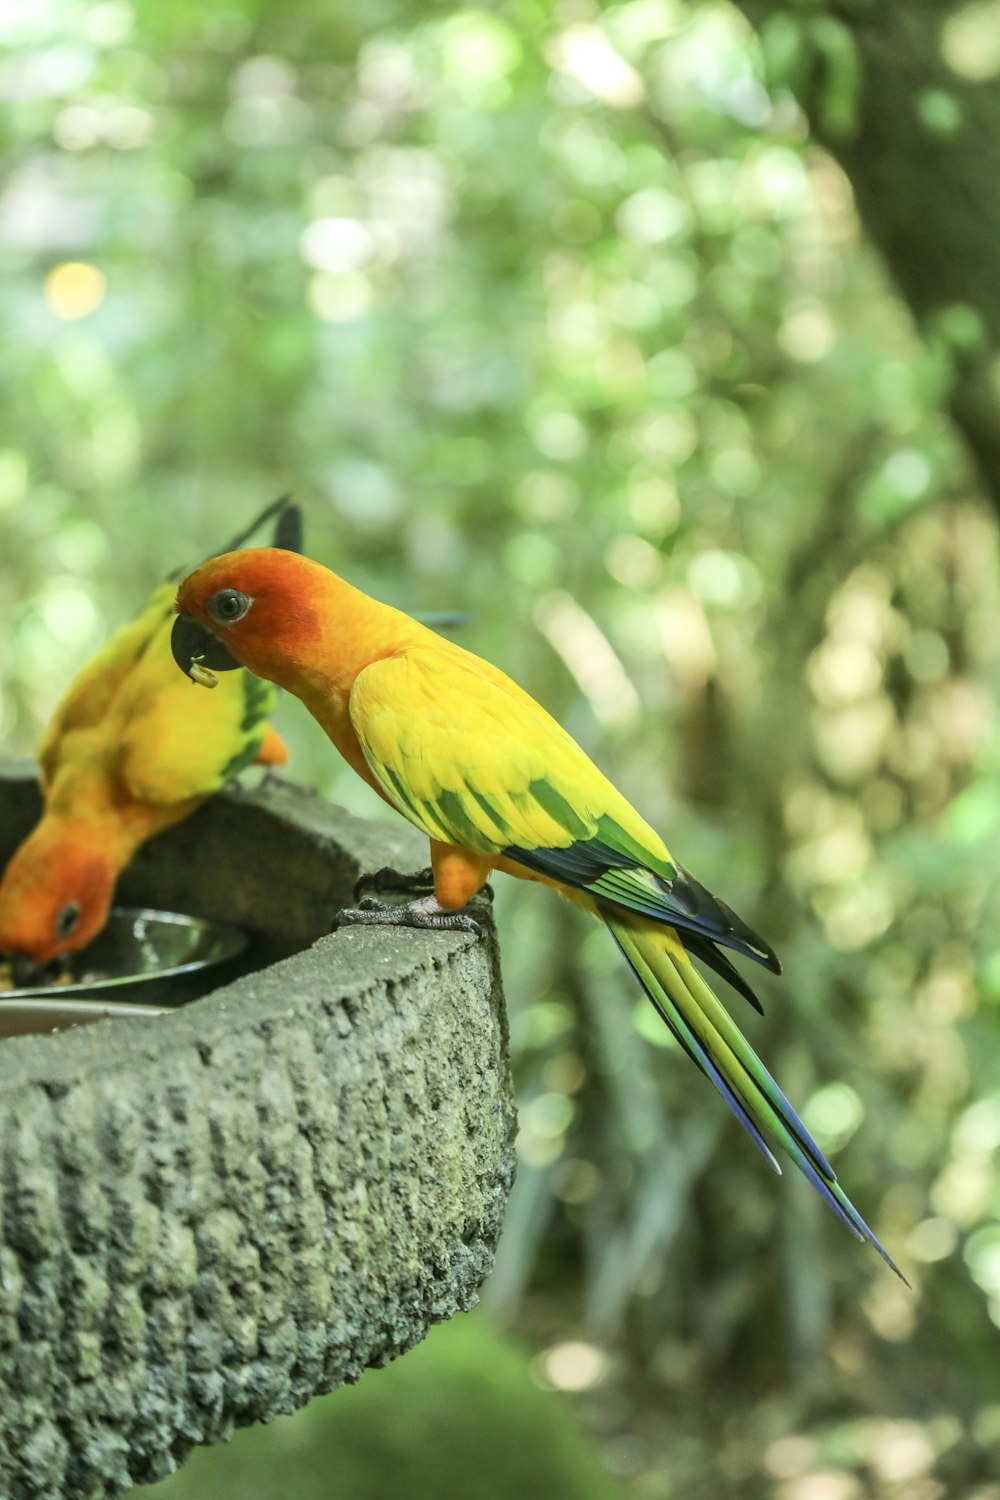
column 208, row 1217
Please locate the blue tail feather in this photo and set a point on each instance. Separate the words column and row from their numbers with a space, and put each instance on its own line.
column 751, row 1093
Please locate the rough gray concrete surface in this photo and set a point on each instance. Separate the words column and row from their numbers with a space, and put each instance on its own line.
column 208, row 1217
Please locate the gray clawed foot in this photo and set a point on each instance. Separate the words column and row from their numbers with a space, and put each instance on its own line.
column 424, row 912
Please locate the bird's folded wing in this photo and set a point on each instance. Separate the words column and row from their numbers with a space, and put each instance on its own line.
column 172, row 745
column 474, row 761
column 92, row 692
column 471, row 759
column 177, row 741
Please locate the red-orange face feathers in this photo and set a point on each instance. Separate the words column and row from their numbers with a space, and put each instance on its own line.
column 56, row 891
column 262, row 603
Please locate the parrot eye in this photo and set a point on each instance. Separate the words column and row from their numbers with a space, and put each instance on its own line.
column 228, row 606
column 67, row 919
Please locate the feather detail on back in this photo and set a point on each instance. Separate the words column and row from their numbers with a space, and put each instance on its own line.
column 489, row 770
column 473, row 760
column 93, row 690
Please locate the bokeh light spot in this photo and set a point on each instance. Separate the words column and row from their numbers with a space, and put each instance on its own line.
column 833, row 1114
column 652, row 216
column 825, row 1484
column 336, row 244
column 75, row 289
column 932, row 1239
column 970, row 40
column 807, row 333
column 585, row 54
column 573, row 1366
column 340, row 297
column 77, row 127
column 69, row 614
column 13, row 477
column 109, row 23
column 724, row 579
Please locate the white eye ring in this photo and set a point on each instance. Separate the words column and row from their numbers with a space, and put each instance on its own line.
column 228, row 606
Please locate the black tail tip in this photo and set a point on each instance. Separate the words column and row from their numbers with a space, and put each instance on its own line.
column 288, row 530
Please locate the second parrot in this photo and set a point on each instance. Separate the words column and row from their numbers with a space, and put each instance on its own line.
column 130, row 750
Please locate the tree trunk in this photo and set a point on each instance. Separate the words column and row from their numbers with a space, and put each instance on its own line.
column 896, row 90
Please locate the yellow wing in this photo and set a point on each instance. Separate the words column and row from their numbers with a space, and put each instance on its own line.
column 131, row 709
column 176, row 741
column 470, row 758
column 90, row 695
column 473, row 760
column 132, row 712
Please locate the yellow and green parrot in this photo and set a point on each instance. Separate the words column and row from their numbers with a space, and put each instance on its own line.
column 129, row 751
column 496, row 784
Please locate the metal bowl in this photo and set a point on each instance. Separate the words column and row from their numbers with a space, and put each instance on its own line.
column 136, row 948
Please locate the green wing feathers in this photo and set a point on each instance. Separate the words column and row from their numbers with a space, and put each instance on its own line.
column 472, row 760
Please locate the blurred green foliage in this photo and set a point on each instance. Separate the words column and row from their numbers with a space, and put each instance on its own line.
column 463, row 1414
column 552, row 312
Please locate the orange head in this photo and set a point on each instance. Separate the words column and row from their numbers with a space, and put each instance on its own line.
column 56, row 891
column 257, row 607
column 285, row 617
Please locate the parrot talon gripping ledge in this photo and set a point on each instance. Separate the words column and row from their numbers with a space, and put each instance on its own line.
column 424, row 912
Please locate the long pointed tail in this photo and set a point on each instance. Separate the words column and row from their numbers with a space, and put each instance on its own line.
column 714, row 1042
column 279, row 508
column 287, row 531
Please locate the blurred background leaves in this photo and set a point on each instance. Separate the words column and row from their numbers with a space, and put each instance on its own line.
column 557, row 314
column 464, row 1413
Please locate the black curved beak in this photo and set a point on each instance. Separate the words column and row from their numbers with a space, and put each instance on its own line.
column 25, row 973
column 198, row 652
